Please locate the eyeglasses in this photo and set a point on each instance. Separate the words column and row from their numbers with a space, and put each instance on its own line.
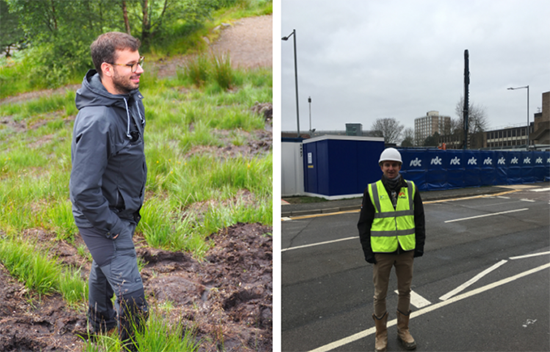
column 133, row 66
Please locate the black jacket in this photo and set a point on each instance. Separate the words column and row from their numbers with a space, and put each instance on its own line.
column 367, row 216
column 108, row 160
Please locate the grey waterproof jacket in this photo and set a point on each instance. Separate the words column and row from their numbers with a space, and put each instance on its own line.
column 108, row 161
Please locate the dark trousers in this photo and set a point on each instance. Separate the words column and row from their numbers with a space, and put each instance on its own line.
column 114, row 271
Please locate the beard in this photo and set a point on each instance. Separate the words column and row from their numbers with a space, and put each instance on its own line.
column 123, row 84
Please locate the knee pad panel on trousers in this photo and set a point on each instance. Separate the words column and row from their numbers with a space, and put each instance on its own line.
column 123, row 273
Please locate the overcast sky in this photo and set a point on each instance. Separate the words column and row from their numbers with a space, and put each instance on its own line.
column 361, row 60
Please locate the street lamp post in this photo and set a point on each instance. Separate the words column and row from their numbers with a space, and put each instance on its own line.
column 296, row 77
column 528, row 142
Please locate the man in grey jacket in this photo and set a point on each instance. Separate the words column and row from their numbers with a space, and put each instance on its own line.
column 108, row 181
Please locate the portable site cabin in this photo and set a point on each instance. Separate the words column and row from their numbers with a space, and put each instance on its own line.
column 340, row 166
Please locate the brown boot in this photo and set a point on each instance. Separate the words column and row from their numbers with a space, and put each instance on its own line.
column 403, row 334
column 381, row 340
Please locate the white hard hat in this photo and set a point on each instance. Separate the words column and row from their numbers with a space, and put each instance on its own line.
column 390, row 154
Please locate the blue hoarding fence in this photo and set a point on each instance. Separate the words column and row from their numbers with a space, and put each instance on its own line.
column 434, row 169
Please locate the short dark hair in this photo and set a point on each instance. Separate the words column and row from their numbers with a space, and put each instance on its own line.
column 104, row 47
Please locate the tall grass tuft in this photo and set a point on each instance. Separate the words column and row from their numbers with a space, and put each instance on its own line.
column 159, row 334
column 35, row 270
column 222, row 71
column 73, row 289
column 214, row 69
column 197, row 70
column 40, row 273
column 59, row 216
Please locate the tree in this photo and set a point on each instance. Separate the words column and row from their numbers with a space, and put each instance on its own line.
column 59, row 32
column 125, row 16
column 432, row 141
column 477, row 123
column 408, row 135
column 12, row 34
column 477, row 118
column 389, row 128
column 156, row 16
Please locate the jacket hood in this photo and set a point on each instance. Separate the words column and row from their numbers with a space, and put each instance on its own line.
column 93, row 93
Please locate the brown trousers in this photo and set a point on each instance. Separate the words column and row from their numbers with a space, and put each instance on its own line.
column 381, row 276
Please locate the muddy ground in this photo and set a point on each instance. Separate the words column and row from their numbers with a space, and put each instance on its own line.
column 226, row 299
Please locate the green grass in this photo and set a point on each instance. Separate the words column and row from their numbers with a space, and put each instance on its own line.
column 158, row 335
column 34, row 181
column 304, row 200
column 59, row 219
column 40, row 273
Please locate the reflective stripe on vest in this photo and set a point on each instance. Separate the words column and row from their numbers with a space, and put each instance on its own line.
column 392, row 226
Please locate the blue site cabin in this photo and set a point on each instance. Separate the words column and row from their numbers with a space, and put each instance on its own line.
column 340, row 166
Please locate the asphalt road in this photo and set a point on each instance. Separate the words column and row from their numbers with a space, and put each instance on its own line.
column 327, row 286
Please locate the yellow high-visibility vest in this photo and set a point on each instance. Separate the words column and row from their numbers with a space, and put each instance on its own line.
column 392, row 226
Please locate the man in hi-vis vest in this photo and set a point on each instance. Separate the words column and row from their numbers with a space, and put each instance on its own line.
column 392, row 232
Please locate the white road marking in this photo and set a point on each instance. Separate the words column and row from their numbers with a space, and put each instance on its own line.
column 417, row 300
column 471, row 281
column 503, row 197
column 319, row 244
column 285, row 219
column 429, row 309
column 540, row 190
column 483, row 216
column 529, row 255
column 527, row 200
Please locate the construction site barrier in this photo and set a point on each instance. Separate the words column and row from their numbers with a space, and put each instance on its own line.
column 434, row 169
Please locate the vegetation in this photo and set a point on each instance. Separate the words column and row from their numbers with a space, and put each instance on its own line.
column 35, row 163
column 55, row 54
column 12, row 35
column 40, row 273
column 408, row 140
column 193, row 188
column 389, row 128
column 477, row 123
column 160, row 335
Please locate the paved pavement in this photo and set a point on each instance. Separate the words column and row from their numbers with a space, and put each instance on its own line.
column 288, row 210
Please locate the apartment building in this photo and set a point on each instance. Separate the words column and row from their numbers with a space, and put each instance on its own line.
column 426, row 126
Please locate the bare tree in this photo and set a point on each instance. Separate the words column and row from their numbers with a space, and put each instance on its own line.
column 444, row 126
column 408, row 137
column 477, row 118
column 389, row 128
column 477, row 123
